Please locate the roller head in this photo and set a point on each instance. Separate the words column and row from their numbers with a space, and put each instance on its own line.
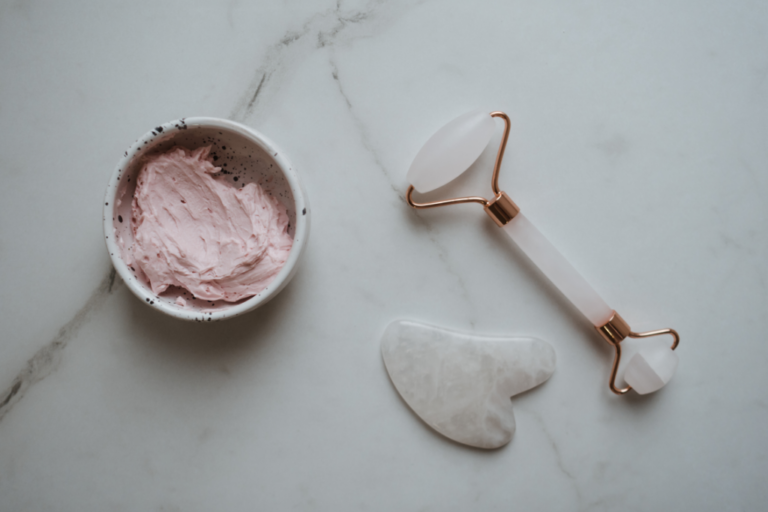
column 651, row 368
column 451, row 151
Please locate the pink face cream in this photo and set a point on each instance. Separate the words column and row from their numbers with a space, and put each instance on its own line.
column 194, row 230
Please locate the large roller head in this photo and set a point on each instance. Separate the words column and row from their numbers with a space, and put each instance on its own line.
column 450, row 151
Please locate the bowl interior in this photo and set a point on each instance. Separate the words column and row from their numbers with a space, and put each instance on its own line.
column 243, row 160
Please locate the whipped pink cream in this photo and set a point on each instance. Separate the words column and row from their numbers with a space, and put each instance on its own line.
column 193, row 230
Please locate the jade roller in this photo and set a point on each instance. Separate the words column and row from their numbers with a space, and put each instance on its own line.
column 453, row 149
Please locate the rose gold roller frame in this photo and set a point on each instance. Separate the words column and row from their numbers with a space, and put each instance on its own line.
column 502, row 210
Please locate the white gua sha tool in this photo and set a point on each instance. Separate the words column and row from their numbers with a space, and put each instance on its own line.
column 459, row 383
column 448, row 154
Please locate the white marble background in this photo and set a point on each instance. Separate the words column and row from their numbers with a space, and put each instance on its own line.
column 638, row 146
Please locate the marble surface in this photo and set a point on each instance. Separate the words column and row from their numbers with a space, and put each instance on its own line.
column 638, row 147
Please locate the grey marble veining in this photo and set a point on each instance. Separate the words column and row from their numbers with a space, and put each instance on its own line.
column 45, row 360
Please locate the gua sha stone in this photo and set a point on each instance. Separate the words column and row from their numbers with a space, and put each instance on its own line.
column 461, row 384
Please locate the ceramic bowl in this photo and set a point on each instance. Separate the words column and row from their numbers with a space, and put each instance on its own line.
column 250, row 157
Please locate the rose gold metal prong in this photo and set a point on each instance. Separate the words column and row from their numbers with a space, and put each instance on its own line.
column 500, row 153
column 648, row 334
column 614, row 370
column 444, row 202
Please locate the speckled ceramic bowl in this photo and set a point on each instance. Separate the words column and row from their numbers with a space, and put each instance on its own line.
column 250, row 157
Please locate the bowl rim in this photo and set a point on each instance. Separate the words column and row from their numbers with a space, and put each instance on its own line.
column 301, row 233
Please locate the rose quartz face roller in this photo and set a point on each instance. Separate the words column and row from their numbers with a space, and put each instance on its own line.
column 446, row 155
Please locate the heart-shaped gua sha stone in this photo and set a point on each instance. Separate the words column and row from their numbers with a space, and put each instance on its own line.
column 460, row 384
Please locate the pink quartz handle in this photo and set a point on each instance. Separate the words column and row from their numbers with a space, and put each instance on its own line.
column 558, row 270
